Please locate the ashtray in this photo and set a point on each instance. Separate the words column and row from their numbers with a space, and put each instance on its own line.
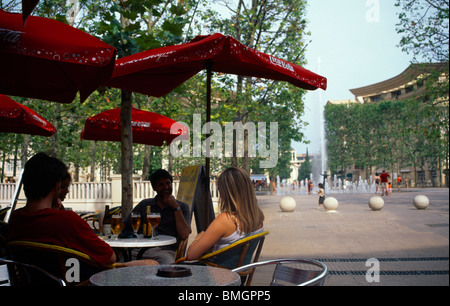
column 174, row 272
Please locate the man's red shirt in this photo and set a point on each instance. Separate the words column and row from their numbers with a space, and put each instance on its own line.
column 58, row 227
column 384, row 177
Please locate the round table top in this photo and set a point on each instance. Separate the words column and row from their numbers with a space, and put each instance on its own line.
column 141, row 242
column 146, row 276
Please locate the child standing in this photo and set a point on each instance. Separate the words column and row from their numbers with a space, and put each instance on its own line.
column 321, row 194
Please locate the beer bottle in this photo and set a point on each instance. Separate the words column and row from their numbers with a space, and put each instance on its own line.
column 147, row 226
column 107, row 222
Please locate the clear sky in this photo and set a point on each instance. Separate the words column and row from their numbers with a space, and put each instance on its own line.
column 356, row 42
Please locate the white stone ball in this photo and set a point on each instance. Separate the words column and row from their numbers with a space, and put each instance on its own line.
column 287, row 204
column 330, row 204
column 376, row 203
column 421, row 202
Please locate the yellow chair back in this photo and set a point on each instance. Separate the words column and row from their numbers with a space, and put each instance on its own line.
column 56, row 260
column 242, row 252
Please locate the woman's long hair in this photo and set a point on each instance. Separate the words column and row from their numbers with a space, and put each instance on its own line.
column 237, row 197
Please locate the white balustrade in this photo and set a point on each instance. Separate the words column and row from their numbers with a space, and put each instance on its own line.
column 6, row 193
column 93, row 196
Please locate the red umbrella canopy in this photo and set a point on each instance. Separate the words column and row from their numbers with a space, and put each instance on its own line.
column 17, row 118
column 148, row 127
column 50, row 60
column 157, row 72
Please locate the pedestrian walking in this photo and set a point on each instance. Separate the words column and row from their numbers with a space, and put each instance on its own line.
column 384, row 176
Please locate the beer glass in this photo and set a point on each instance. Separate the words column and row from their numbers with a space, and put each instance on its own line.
column 135, row 222
column 154, row 219
column 116, row 226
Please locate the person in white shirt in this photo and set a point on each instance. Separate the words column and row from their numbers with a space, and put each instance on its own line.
column 240, row 215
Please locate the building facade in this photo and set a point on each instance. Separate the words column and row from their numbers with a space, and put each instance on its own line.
column 408, row 84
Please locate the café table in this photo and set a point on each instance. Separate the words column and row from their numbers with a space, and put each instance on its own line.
column 124, row 245
column 147, row 276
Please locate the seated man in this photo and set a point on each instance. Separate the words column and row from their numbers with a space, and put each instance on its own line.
column 175, row 216
column 39, row 222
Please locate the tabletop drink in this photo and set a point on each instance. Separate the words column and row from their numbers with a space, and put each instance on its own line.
column 135, row 222
column 154, row 219
column 106, row 222
column 147, row 226
column 116, row 225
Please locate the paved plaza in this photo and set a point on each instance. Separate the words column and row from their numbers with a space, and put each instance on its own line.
column 411, row 245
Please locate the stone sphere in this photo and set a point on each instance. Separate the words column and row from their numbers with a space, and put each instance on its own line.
column 421, row 202
column 330, row 204
column 376, row 203
column 287, row 204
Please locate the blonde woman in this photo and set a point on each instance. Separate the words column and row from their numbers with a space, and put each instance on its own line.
column 240, row 215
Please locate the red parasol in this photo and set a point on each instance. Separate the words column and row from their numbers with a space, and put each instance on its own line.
column 50, row 60
column 17, row 118
column 148, row 127
column 157, row 72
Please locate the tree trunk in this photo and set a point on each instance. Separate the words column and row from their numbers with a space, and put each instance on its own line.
column 25, row 144
column 146, row 165
column 54, row 152
column 93, row 150
column 127, row 153
column 246, row 158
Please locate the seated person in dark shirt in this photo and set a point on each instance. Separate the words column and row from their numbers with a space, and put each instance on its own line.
column 39, row 222
column 175, row 217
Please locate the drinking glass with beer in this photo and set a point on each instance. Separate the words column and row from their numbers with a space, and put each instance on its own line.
column 154, row 219
column 116, row 226
column 135, row 222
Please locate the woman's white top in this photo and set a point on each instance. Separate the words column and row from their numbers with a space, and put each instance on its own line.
column 237, row 235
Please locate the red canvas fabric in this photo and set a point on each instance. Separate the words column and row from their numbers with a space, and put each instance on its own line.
column 47, row 59
column 156, row 72
column 17, row 118
column 148, row 127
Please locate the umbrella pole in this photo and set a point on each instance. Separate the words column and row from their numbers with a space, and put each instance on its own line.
column 207, row 158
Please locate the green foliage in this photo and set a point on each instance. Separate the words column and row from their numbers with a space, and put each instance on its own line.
column 133, row 26
column 390, row 134
column 424, row 25
column 304, row 173
column 276, row 28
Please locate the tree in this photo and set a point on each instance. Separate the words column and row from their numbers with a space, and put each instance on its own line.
column 120, row 23
column 424, row 25
column 338, row 135
column 130, row 26
column 395, row 134
column 276, row 28
column 304, row 173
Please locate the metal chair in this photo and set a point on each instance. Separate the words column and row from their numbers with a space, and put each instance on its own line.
column 181, row 250
column 3, row 212
column 53, row 259
column 241, row 252
column 22, row 274
column 179, row 254
column 3, row 231
column 292, row 272
column 95, row 217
